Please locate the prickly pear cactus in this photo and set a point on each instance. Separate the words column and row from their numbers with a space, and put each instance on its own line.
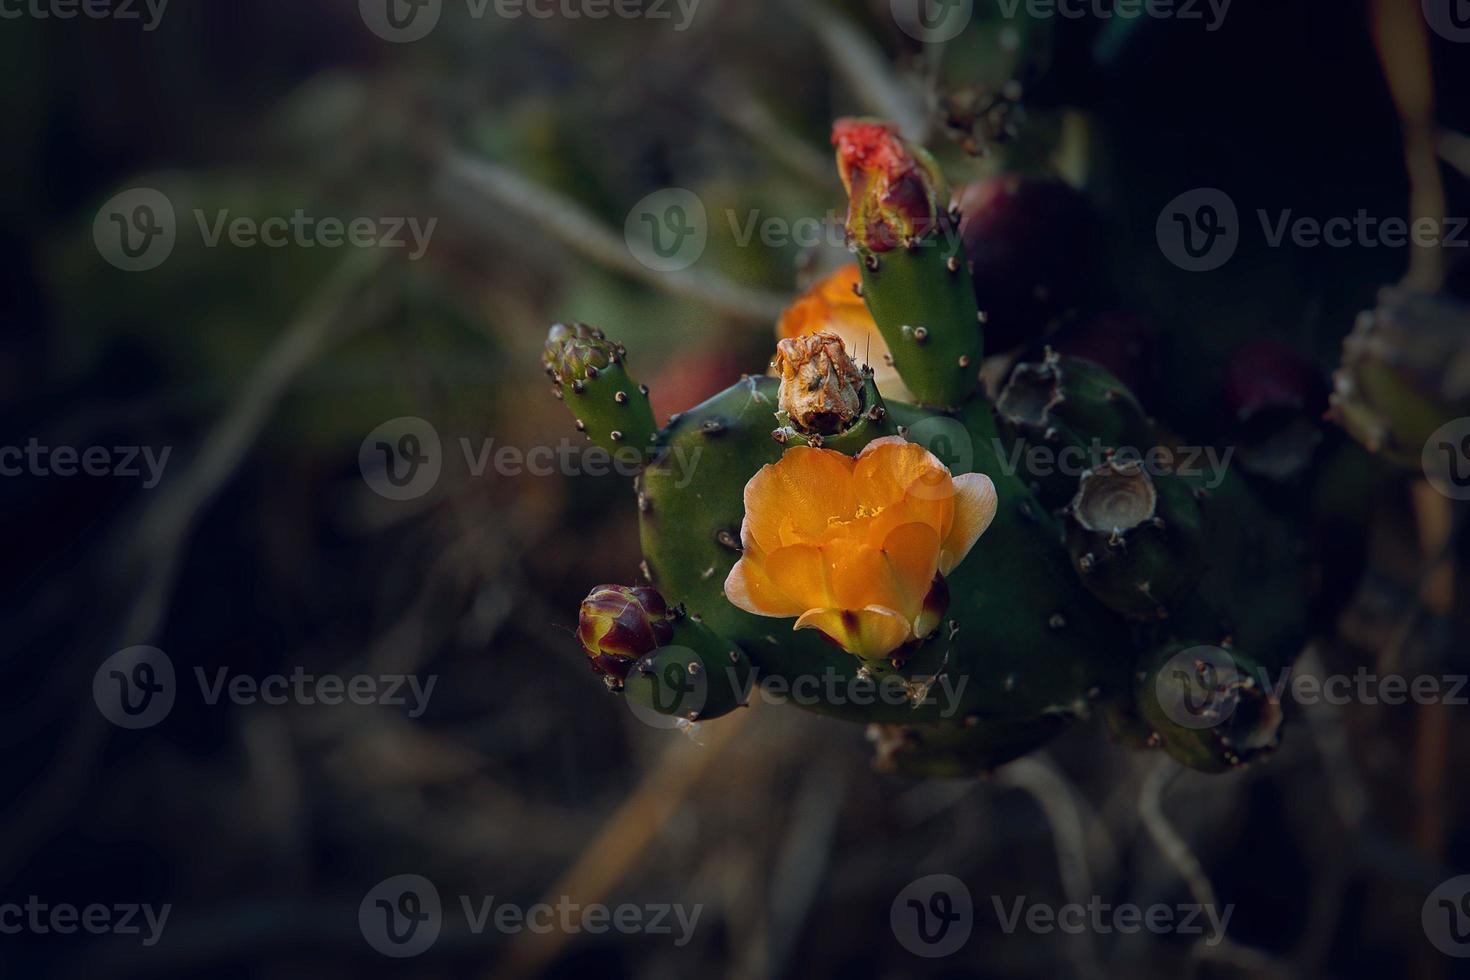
column 907, row 561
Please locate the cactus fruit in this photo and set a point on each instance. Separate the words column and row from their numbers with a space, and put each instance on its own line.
column 1274, row 399
column 890, row 559
column 591, row 375
column 1035, row 246
column 1405, row 372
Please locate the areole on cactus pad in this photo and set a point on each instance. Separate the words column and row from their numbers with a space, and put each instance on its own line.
column 831, row 530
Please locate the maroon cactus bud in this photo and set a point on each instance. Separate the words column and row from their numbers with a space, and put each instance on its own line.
column 1268, row 376
column 618, row 624
column 1035, row 247
column 1123, row 343
column 1275, row 399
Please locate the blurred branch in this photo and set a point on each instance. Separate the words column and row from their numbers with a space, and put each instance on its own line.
column 865, row 69
column 736, row 105
column 625, row 837
column 1053, row 793
column 475, row 186
column 1177, row 852
column 1401, row 35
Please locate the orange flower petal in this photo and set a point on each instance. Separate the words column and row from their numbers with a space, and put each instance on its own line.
column 975, row 503
column 894, row 472
column 750, row 588
column 800, row 571
column 860, row 575
column 789, row 501
column 872, row 632
column 912, row 554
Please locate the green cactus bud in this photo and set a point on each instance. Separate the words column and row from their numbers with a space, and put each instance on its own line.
column 1405, row 372
column 1135, row 539
column 619, row 624
column 914, row 275
column 1068, row 405
column 1208, row 706
column 591, row 376
column 697, row 676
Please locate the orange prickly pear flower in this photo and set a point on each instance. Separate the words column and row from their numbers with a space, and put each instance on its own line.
column 857, row 547
column 895, row 190
column 833, row 306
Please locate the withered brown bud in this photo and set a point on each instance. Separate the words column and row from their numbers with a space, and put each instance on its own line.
column 821, row 386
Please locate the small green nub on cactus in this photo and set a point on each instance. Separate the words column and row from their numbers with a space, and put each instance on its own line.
column 1207, row 706
column 698, row 676
column 1405, row 372
column 618, row 624
column 915, row 279
column 1134, row 539
column 592, row 378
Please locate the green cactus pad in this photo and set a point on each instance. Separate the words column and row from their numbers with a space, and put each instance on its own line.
column 1208, row 707
column 924, row 305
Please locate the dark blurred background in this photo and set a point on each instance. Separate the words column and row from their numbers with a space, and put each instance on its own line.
column 265, row 548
